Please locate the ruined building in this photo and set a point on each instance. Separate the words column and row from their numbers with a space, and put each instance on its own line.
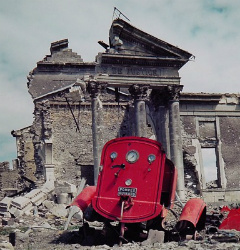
column 133, row 88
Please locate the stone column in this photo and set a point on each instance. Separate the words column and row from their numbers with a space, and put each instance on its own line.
column 94, row 90
column 139, row 93
column 176, row 138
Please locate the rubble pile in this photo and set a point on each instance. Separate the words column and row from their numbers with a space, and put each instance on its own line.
column 41, row 219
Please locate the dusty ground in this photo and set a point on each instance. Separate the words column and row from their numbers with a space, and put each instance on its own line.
column 48, row 239
column 36, row 233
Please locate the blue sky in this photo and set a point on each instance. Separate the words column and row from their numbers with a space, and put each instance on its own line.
column 209, row 29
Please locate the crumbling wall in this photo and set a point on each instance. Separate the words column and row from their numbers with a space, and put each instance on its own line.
column 55, row 129
column 8, row 179
column 230, row 131
column 72, row 149
column 192, row 173
column 25, row 153
column 41, row 130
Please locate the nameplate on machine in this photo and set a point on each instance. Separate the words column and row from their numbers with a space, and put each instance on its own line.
column 126, row 191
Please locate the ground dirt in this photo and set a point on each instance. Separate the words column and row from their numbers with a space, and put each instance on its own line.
column 34, row 233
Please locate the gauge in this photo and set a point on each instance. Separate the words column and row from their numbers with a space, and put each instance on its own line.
column 132, row 156
column 151, row 158
column 113, row 156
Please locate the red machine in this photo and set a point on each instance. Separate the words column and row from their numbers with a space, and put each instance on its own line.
column 136, row 184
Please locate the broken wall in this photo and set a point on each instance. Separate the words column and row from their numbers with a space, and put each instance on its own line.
column 230, row 138
column 8, row 180
column 58, row 142
column 210, row 124
column 25, row 152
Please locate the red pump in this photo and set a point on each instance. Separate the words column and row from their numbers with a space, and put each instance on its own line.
column 136, row 184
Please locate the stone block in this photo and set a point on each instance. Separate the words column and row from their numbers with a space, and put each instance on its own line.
column 19, row 238
column 7, row 221
column 4, row 245
column 154, row 236
column 36, row 196
column 5, row 204
column 48, row 187
column 20, row 205
column 15, row 212
column 20, row 202
column 59, row 210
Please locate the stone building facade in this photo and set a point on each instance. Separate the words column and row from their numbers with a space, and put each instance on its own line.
column 210, row 123
column 133, row 88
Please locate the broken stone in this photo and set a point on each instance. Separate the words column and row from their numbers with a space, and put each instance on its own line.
column 5, row 204
column 74, row 210
column 44, row 225
column 48, row 204
column 59, row 210
column 6, row 215
column 36, row 196
column 4, row 245
column 64, row 198
column 7, row 221
column 21, row 202
column 18, row 238
column 154, row 236
column 48, row 187
column 15, row 212
column 65, row 187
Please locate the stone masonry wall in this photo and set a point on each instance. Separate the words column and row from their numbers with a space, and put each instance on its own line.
column 8, row 179
column 191, row 171
column 230, row 137
column 72, row 152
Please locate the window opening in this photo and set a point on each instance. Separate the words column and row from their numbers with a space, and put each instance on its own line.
column 210, row 167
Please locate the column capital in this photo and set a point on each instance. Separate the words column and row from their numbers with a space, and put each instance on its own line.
column 174, row 92
column 139, row 92
column 94, row 88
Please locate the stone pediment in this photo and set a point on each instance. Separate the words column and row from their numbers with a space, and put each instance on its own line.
column 128, row 40
column 135, row 57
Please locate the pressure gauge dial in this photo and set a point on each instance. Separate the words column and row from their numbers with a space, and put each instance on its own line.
column 132, row 156
column 151, row 158
column 113, row 156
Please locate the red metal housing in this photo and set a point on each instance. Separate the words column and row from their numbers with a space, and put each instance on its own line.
column 135, row 180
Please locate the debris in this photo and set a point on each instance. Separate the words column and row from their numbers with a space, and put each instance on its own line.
column 4, row 245
column 154, row 236
column 5, row 204
column 75, row 209
column 18, row 238
column 36, row 196
column 226, row 236
column 20, row 205
column 59, row 210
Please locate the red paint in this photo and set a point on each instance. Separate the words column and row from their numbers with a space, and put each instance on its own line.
column 233, row 219
column 193, row 213
column 84, row 198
